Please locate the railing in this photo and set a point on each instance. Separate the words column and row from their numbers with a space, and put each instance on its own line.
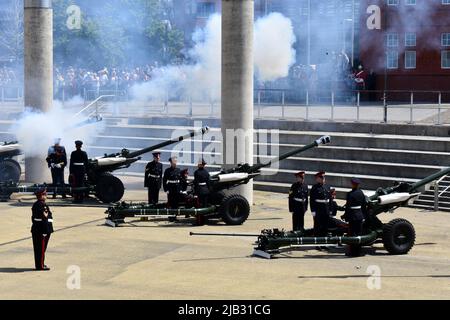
column 93, row 104
column 438, row 194
column 362, row 100
column 11, row 94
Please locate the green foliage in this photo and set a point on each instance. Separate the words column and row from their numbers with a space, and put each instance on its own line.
column 115, row 32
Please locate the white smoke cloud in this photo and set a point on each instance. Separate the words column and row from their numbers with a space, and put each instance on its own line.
column 36, row 131
column 274, row 55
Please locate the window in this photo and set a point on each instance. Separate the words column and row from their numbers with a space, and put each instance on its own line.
column 445, row 1
column 410, row 39
column 410, row 59
column 392, row 40
column 445, row 40
column 445, row 59
column 392, row 60
column 205, row 9
column 410, row 2
column 392, row 2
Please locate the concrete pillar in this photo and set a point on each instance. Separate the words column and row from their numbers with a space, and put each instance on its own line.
column 237, row 84
column 38, row 73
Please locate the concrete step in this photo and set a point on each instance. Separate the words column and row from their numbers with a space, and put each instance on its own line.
column 340, row 180
column 378, row 141
column 296, row 164
column 428, row 208
column 430, row 203
column 326, row 152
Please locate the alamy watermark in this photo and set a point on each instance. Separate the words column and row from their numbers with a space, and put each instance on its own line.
column 374, row 279
column 240, row 147
column 74, row 280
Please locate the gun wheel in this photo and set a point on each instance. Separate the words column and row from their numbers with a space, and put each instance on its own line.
column 109, row 188
column 234, row 209
column 398, row 236
column 10, row 171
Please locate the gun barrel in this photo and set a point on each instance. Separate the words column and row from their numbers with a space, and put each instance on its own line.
column 223, row 234
column 321, row 141
column 430, row 178
column 169, row 142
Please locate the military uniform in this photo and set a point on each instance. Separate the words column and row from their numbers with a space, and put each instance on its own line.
column 298, row 205
column 172, row 185
column 41, row 229
column 153, row 180
column 354, row 215
column 320, row 196
column 201, row 186
column 78, row 166
column 57, row 161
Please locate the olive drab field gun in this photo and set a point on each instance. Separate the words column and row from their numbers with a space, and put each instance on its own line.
column 9, row 168
column 233, row 209
column 397, row 236
column 100, row 181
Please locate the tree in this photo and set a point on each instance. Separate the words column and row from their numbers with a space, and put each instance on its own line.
column 11, row 30
column 116, row 32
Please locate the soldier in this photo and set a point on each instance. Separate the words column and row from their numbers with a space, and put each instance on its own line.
column 78, row 167
column 153, row 178
column 354, row 208
column 184, row 183
column 298, row 202
column 41, row 229
column 320, row 196
column 172, row 183
column 57, row 143
column 57, row 161
column 202, row 184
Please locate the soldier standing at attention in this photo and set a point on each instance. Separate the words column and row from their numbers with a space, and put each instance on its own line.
column 153, row 178
column 57, row 161
column 354, row 208
column 320, row 197
column 202, row 184
column 172, row 183
column 298, row 202
column 41, row 229
column 78, row 166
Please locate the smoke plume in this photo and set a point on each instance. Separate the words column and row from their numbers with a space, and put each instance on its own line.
column 37, row 131
column 274, row 55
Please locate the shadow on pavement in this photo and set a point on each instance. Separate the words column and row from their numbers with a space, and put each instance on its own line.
column 16, row 270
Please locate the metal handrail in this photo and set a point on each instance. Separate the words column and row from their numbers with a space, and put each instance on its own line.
column 91, row 104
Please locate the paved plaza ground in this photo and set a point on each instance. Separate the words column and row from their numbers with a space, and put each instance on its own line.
column 159, row 260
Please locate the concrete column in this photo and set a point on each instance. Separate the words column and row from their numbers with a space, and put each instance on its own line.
column 237, row 84
column 38, row 73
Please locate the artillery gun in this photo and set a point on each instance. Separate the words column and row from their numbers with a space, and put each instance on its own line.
column 99, row 179
column 9, row 168
column 397, row 236
column 233, row 209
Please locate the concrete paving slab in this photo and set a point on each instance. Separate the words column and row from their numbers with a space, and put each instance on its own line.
column 159, row 260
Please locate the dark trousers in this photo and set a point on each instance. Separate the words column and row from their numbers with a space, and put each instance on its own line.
column 78, row 182
column 173, row 199
column 203, row 200
column 321, row 224
column 58, row 179
column 153, row 195
column 39, row 246
column 298, row 220
column 355, row 229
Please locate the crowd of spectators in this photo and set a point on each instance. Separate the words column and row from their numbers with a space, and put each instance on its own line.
column 71, row 81
column 8, row 77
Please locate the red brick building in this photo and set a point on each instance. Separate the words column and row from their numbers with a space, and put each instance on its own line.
column 406, row 43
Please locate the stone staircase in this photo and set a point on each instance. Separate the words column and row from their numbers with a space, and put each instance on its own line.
column 427, row 199
column 379, row 154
